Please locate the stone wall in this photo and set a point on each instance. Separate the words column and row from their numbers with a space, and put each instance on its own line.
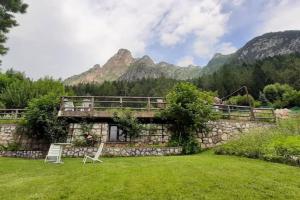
column 220, row 132
column 23, row 154
column 11, row 134
column 7, row 133
column 76, row 132
column 152, row 134
column 224, row 130
column 121, row 151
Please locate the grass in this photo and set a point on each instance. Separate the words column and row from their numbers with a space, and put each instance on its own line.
column 277, row 144
column 201, row 176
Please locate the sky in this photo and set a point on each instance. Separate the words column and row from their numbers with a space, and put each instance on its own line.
column 63, row 38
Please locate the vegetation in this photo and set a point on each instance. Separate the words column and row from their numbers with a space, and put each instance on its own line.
column 42, row 121
column 42, row 100
column 143, row 87
column 277, row 144
column 242, row 100
column 128, row 123
column 16, row 90
column 284, row 69
column 203, row 176
column 7, row 9
column 188, row 109
column 282, row 95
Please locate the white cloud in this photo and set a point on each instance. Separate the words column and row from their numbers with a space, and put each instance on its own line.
column 203, row 20
column 225, row 48
column 280, row 15
column 62, row 38
column 185, row 61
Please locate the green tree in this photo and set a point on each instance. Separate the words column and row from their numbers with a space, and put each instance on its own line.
column 188, row 111
column 128, row 123
column 17, row 94
column 7, row 19
column 42, row 120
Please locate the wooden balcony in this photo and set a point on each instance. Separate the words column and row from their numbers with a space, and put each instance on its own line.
column 103, row 107
column 146, row 108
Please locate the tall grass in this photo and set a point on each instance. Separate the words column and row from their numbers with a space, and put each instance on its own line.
column 276, row 144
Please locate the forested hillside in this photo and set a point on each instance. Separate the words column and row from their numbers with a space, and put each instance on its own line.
column 231, row 76
column 277, row 69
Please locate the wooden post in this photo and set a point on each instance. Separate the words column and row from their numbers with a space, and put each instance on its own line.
column 228, row 111
column 121, row 102
column 92, row 103
column 62, row 103
column 252, row 116
column 148, row 104
column 17, row 112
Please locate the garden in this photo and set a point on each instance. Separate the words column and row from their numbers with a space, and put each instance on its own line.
column 200, row 176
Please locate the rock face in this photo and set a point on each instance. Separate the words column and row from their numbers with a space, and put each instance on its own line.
column 122, row 66
column 266, row 45
column 110, row 71
column 269, row 45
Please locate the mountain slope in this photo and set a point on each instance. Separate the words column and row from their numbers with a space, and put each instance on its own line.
column 110, row 71
column 264, row 46
column 216, row 62
column 122, row 66
column 269, row 45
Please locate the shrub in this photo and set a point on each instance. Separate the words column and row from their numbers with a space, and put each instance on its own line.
column 241, row 100
column 282, row 95
column 42, row 121
column 278, row 144
column 128, row 123
column 188, row 110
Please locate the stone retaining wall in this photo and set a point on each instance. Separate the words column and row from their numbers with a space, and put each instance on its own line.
column 12, row 134
column 7, row 132
column 122, row 151
column 224, row 130
column 23, row 154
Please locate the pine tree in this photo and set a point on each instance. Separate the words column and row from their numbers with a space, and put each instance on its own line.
column 7, row 19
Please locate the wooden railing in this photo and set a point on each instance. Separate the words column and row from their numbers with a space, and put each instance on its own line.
column 244, row 112
column 7, row 114
column 100, row 103
column 149, row 104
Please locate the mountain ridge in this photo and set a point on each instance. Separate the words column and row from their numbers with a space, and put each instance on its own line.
column 123, row 67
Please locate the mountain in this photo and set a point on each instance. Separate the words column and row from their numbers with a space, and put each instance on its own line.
column 146, row 68
column 122, row 66
column 264, row 46
column 110, row 71
column 217, row 61
column 269, row 45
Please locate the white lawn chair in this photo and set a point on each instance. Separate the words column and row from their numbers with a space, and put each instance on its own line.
column 54, row 154
column 97, row 155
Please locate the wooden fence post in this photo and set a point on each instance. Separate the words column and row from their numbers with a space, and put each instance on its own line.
column 92, row 103
column 148, row 104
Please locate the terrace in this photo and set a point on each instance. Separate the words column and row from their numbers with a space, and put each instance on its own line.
column 103, row 107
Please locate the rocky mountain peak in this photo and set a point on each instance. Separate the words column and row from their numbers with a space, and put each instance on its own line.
column 122, row 58
column 145, row 60
column 269, row 45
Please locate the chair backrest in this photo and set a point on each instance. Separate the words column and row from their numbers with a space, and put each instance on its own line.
column 99, row 151
column 54, row 150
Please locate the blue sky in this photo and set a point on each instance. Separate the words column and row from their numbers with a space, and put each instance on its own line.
column 63, row 38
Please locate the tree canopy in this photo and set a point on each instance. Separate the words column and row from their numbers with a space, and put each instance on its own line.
column 7, row 19
column 188, row 109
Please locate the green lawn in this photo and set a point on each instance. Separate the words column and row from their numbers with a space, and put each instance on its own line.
column 202, row 176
